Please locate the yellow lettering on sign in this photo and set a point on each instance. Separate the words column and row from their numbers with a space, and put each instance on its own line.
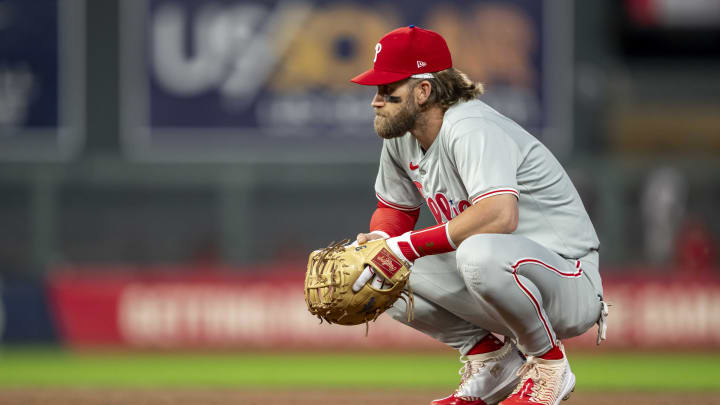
column 491, row 43
column 338, row 44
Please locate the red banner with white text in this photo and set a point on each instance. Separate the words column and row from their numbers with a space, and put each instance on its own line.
column 162, row 309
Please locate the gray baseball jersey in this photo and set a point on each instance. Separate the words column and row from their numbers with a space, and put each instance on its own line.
column 480, row 153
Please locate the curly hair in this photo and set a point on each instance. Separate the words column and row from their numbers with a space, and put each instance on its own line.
column 450, row 86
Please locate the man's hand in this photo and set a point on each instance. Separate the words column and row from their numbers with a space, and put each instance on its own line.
column 394, row 245
column 368, row 273
column 366, row 237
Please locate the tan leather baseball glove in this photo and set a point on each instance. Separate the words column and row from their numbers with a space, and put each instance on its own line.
column 332, row 271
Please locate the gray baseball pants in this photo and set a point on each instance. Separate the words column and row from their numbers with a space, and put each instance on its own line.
column 505, row 284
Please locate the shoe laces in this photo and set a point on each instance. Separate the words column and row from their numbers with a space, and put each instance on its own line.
column 469, row 368
column 543, row 386
column 473, row 366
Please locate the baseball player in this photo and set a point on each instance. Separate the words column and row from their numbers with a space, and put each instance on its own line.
column 514, row 253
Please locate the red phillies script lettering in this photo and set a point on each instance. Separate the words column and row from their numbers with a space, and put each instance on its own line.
column 443, row 209
column 444, row 205
column 387, row 263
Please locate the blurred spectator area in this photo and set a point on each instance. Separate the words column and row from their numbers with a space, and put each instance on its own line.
column 107, row 212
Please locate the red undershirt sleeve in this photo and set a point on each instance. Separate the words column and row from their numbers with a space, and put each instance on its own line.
column 392, row 221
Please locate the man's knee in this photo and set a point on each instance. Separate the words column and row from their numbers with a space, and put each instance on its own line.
column 482, row 263
column 483, row 251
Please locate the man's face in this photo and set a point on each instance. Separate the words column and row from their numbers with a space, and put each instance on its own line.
column 395, row 110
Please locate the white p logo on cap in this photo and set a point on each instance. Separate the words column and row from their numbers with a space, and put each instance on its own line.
column 378, row 48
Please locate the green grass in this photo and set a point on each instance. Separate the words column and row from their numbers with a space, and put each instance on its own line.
column 48, row 367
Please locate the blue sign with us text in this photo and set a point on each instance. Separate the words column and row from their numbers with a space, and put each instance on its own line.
column 269, row 80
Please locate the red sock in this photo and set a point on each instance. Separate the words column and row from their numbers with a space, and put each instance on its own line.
column 553, row 354
column 486, row 345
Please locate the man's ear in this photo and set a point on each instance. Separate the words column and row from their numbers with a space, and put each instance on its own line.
column 422, row 92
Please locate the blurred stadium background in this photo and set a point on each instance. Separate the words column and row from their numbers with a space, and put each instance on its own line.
column 167, row 165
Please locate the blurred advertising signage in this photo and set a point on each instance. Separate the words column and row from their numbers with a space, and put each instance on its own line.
column 41, row 79
column 670, row 28
column 674, row 13
column 186, row 311
column 166, row 309
column 269, row 80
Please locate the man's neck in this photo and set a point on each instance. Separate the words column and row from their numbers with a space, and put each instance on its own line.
column 428, row 126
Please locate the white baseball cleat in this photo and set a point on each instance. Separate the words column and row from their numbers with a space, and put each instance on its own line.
column 487, row 378
column 546, row 382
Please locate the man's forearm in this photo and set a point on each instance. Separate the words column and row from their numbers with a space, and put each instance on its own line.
column 495, row 215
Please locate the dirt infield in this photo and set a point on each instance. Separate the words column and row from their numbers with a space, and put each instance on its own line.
column 335, row 397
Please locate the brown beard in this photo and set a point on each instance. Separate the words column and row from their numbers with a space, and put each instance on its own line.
column 399, row 124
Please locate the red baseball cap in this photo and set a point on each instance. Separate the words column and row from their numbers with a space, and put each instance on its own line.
column 406, row 52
